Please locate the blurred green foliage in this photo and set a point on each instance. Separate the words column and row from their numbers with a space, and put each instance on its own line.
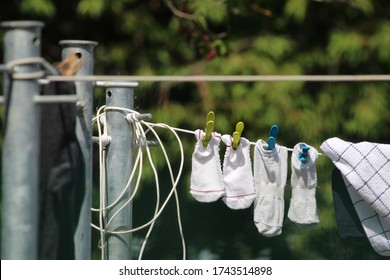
column 236, row 37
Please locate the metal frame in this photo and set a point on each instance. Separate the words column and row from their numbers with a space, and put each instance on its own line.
column 84, row 93
column 21, row 146
column 20, row 183
column 119, row 163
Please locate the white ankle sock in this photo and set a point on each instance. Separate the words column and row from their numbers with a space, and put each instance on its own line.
column 237, row 175
column 303, row 204
column 206, row 177
column 270, row 172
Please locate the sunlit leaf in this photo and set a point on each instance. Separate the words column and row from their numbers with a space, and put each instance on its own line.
column 92, row 8
column 39, row 7
column 296, row 9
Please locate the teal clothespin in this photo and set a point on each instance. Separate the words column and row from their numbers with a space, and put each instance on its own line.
column 272, row 137
column 304, row 154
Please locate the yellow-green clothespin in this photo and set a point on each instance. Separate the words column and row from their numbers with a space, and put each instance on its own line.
column 237, row 134
column 210, row 119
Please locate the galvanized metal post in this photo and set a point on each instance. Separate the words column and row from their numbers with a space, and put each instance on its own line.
column 21, row 147
column 119, row 163
column 84, row 92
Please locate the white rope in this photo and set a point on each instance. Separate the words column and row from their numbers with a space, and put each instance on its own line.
column 172, row 177
column 193, row 132
column 175, row 192
column 102, row 181
column 140, row 135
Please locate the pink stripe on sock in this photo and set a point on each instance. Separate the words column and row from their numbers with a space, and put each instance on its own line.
column 239, row 195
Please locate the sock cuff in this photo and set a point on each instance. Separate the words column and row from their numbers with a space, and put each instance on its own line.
column 262, row 148
column 200, row 150
column 270, row 166
column 199, row 134
column 311, row 159
column 242, row 151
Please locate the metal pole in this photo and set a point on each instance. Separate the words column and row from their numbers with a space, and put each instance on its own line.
column 119, row 163
column 84, row 92
column 21, row 146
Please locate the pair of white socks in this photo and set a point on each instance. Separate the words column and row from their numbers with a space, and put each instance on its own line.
column 270, row 174
column 239, row 188
column 235, row 184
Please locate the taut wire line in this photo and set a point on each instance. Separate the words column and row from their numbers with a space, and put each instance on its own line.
column 193, row 132
column 225, row 78
column 10, row 67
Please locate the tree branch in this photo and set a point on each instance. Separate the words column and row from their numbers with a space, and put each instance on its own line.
column 177, row 12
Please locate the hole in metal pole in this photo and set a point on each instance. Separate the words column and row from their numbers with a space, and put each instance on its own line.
column 109, row 93
column 78, row 54
column 36, row 41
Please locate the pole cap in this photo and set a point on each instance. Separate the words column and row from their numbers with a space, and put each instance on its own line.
column 22, row 24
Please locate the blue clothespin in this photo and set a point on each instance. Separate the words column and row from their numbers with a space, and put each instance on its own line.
column 304, row 154
column 272, row 137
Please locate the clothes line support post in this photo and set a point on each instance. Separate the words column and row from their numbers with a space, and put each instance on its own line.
column 21, row 145
column 84, row 92
column 119, row 163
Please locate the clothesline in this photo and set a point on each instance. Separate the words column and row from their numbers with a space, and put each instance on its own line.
column 225, row 78
column 10, row 68
column 193, row 132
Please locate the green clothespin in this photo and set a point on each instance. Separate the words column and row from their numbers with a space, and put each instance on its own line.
column 210, row 120
column 237, row 134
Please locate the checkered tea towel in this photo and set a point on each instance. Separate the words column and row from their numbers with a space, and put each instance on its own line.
column 365, row 168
